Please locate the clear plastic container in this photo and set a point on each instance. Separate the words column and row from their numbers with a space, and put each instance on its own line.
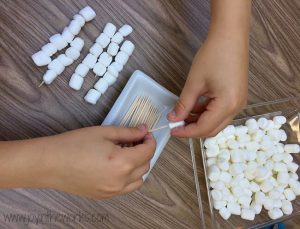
column 210, row 217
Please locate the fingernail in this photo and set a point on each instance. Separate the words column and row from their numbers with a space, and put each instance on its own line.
column 148, row 136
column 142, row 127
column 172, row 114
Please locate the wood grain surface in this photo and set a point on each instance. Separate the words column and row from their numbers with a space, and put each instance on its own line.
column 167, row 34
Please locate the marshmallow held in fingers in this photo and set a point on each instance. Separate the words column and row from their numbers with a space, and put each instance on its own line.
column 110, row 29
column 117, row 38
column 41, row 58
column 76, row 82
column 127, row 47
column 99, row 69
column 90, row 60
column 87, row 13
column 49, row 49
column 82, row 70
column 92, row 96
column 125, row 30
column 59, row 42
column 103, row 40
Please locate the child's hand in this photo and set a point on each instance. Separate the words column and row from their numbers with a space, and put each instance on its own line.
column 219, row 72
column 91, row 162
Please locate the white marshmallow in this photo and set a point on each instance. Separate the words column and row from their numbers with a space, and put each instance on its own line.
column 218, row 204
column 92, row 96
column 275, row 213
column 280, row 167
column 278, row 157
column 88, row 13
column 117, row 66
column 274, row 194
column 212, row 152
column 259, row 197
column 244, row 201
column 110, row 79
column 101, row 86
column 243, row 138
column 236, row 156
column 90, row 60
column 241, row 130
column 268, row 203
column 277, row 203
column 282, row 177
column 249, row 155
column 221, row 140
column 248, row 214
column 266, row 144
column 72, row 53
column 214, row 173
column 59, row 42
column 66, row 61
column 229, row 130
column 287, row 207
column 234, row 208
column 82, row 70
column 223, row 164
column 225, row 154
column 211, row 161
column 294, row 176
column 112, row 70
column 283, row 137
column 217, row 185
column 279, row 120
column 292, row 148
column 99, row 69
column 236, row 168
column 67, row 35
column 40, row 58
column 125, row 30
column 287, row 158
column 173, row 125
column 274, row 134
column 225, row 177
column 216, row 194
column 110, row 29
column 252, row 125
column 251, row 166
column 262, row 123
column 210, row 142
column 49, row 49
column 103, row 40
column 232, row 144
column 257, row 136
column 49, row 76
column 56, row 66
column 105, row 59
column 127, row 47
column 113, row 49
column 117, row 38
column 121, row 58
column 225, row 213
column 261, row 157
column 74, row 27
column 237, row 191
column 96, row 49
column 80, row 19
column 289, row 194
column 266, row 186
column 292, row 167
column 76, row 82
column 77, row 43
column 254, row 187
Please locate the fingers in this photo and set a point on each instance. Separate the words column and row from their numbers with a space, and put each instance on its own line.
column 125, row 135
column 133, row 186
column 139, row 172
column 141, row 153
column 188, row 98
column 215, row 117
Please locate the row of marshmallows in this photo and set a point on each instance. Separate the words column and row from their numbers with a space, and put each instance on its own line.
column 102, row 61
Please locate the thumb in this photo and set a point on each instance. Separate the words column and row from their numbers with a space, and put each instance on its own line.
column 187, row 100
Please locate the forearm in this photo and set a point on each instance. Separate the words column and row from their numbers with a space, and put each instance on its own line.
column 230, row 19
column 24, row 163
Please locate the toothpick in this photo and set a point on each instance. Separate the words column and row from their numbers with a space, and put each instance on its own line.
column 158, row 128
column 41, row 84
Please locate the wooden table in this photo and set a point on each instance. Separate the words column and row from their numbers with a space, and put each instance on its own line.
column 167, row 34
